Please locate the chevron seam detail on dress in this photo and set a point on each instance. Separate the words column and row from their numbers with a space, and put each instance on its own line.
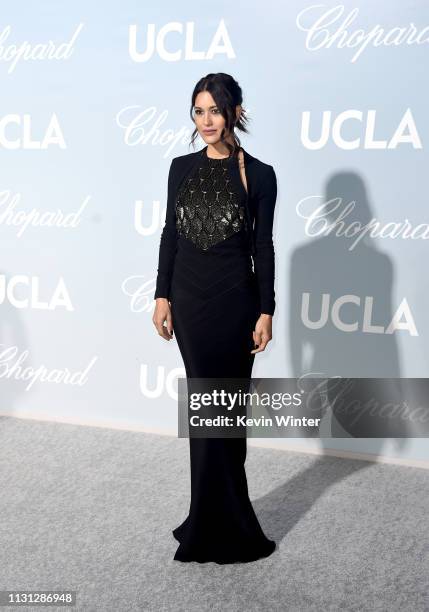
column 206, row 293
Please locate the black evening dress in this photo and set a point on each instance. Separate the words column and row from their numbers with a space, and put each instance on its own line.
column 215, row 306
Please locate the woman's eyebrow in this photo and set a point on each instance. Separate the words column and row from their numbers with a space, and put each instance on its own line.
column 213, row 106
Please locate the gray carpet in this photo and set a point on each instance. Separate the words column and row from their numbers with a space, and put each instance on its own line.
column 92, row 509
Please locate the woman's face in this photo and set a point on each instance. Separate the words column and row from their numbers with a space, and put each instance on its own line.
column 208, row 119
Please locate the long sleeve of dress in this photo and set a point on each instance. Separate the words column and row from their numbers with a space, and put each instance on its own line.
column 264, row 258
column 168, row 243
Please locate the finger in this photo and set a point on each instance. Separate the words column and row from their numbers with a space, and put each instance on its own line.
column 162, row 330
column 164, row 333
column 262, row 345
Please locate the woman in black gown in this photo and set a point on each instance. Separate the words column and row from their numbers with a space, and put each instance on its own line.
column 219, row 307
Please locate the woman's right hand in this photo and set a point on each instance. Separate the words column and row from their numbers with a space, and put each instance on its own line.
column 163, row 313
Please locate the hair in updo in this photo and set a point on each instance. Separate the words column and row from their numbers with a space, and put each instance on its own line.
column 227, row 94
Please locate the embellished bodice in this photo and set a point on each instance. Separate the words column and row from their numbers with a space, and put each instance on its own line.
column 209, row 209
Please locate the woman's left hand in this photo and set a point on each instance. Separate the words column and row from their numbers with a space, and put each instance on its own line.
column 263, row 332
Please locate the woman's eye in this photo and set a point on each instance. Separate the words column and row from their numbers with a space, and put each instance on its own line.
column 216, row 111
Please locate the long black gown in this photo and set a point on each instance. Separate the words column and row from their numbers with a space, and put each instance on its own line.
column 215, row 306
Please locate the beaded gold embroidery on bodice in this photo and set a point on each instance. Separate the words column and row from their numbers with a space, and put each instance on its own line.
column 208, row 209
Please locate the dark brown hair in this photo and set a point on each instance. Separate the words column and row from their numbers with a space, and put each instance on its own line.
column 227, row 94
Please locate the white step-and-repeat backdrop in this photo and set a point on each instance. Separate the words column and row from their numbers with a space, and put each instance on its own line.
column 95, row 103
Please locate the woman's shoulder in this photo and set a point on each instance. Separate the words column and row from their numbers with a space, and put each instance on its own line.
column 181, row 163
column 262, row 175
column 185, row 158
column 257, row 165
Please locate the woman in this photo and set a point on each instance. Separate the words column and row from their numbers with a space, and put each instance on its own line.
column 221, row 310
